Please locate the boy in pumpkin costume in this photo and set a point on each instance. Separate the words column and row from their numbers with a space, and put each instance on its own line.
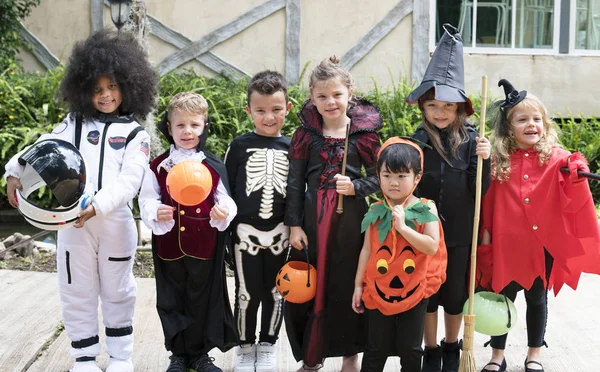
column 402, row 262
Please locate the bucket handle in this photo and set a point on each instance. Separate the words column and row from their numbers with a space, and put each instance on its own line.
column 305, row 250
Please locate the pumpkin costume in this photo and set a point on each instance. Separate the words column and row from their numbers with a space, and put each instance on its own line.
column 398, row 281
column 327, row 326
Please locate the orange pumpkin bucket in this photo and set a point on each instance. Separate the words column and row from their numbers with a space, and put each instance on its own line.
column 189, row 182
column 297, row 280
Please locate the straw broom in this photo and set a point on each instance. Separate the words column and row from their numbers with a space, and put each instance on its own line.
column 467, row 359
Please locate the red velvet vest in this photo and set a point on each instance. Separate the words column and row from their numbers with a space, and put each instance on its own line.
column 192, row 234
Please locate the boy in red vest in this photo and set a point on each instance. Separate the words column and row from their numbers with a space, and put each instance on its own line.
column 189, row 243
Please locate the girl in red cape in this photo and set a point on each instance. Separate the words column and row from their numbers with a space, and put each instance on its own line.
column 540, row 229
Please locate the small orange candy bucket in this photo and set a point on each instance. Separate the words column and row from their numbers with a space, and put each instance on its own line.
column 296, row 281
column 189, row 182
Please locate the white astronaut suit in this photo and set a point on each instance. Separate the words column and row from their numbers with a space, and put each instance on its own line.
column 96, row 261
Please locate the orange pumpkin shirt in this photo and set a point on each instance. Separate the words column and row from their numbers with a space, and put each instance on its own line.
column 398, row 279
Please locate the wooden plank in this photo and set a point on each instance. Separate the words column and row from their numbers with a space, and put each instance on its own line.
column 292, row 41
column 29, row 315
column 40, row 51
column 208, row 59
column 219, row 35
column 378, row 32
column 97, row 14
column 420, row 36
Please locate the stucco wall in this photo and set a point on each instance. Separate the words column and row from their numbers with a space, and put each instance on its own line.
column 327, row 27
column 566, row 84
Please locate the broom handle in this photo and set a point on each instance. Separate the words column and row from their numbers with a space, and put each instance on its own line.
column 477, row 197
column 340, row 206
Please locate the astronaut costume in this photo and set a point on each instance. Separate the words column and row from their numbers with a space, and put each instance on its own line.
column 96, row 261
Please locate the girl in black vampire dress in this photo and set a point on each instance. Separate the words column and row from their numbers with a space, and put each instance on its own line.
column 327, row 326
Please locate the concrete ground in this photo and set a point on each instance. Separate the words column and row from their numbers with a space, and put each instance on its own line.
column 30, row 317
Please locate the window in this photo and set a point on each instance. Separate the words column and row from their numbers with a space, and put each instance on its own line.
column 492, row 25
column 521, row 26
column 585, row 30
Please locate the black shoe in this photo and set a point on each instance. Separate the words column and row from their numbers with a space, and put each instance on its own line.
column 432, row 359
column 178, row 364
column 502, row 366
column 204, row 364
column 533, row 370
column 450, row 356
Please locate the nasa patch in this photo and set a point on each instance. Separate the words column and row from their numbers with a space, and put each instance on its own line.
column 93, row 137
column 117, row 143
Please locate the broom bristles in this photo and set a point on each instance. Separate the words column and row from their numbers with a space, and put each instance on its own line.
column 467, row 358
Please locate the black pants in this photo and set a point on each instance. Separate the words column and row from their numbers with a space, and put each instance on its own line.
column 182, row 300
column 537, row 309
column 395, row 335
column 453, row 292
column 255, row 272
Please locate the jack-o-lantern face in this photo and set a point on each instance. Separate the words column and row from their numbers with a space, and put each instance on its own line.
column 295, row 283
column 392, row 278
column 396, row 284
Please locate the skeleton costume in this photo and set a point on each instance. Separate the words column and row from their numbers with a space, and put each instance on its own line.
column 96, row 261
column 327, row 325
column 258, row 167
column 189, row 254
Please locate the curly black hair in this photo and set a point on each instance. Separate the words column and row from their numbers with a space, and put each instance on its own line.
column 118, row 55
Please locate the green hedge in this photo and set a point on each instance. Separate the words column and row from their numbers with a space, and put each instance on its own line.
column 29, row 107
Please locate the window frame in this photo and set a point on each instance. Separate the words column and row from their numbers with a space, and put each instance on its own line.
column 512, row 49
column 573, row 34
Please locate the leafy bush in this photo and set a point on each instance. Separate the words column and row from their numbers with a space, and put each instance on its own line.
column 11, row 12
column 29, row 107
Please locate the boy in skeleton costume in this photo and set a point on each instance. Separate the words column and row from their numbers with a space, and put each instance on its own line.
column 188, row 243
column 257, row 166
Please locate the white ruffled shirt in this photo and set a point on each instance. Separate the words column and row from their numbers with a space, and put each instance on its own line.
column 150, row 198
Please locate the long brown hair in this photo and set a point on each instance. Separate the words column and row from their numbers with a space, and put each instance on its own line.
column 457, row 133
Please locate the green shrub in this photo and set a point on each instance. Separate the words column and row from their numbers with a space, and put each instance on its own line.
column 29, row 107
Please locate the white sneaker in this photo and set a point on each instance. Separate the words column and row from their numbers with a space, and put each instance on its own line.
column 117, row 365
column 245, row 358
column 90, row 366
column 266, row 357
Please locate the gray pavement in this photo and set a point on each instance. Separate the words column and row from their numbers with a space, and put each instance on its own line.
column 30, row 317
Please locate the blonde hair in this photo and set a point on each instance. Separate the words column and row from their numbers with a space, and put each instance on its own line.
column 330, row 68
column 457, row 133
column 503, row 144
column 188, row 102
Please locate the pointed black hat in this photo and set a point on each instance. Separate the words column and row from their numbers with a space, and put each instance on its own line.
column 513, row 96
column 446, row 71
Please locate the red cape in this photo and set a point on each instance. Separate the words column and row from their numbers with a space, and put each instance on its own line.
column 539, row 207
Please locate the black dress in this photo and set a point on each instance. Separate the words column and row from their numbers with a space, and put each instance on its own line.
column 327, row 326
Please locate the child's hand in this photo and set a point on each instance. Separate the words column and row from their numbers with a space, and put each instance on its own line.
column 484, row 148
column 297, row 236
column 357, row 305
column 164, row 213
column 218, row 213
column 12, row 184
column 85, row 215
column 399, row 217
column 343, row 185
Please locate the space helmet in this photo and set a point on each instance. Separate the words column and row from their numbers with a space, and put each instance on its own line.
column 57, row 165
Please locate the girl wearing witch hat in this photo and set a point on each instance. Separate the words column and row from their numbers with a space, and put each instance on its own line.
column 540, row 229
column 449, row 180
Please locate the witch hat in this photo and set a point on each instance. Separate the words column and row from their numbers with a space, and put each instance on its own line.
column 445, row 72
column 513, row 96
